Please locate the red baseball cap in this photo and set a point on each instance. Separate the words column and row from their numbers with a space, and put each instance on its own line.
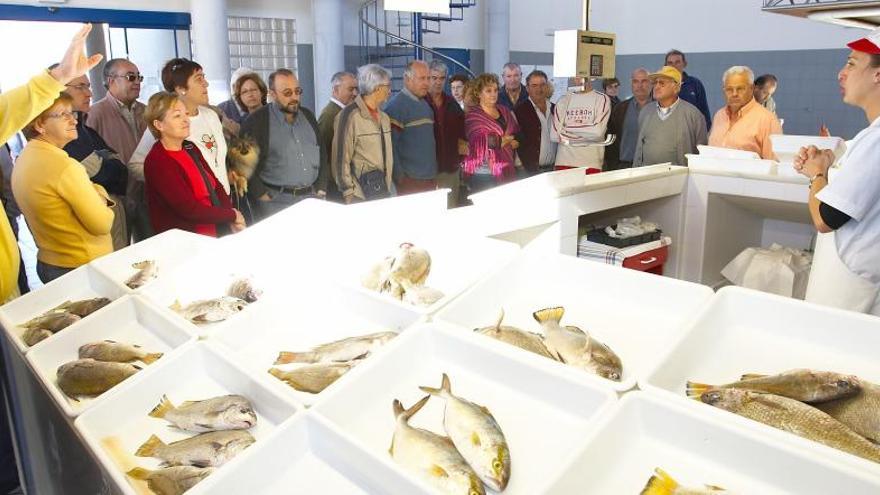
column 868, row 44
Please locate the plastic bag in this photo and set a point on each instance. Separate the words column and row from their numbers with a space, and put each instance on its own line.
column 777, row 270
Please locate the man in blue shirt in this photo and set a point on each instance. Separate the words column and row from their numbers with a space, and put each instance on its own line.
column 692, row 90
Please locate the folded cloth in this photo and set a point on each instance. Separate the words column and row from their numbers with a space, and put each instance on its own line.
column 613, row 255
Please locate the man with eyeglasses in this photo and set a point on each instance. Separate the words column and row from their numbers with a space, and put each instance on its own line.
column 293, row 165
column 119, row 117
column 743, row 124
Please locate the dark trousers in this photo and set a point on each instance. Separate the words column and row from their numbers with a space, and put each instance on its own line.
column 23, row 287
column 49, row 272
column 277, row 202
column 408, row 185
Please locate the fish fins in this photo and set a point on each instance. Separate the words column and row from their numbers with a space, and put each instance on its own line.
column 500, row 319
column 205, row 426
column 696, row 390
column 150, row 447
column 151, row 358
column 139, row 473
column 445, row 386
column 296, row 357
column 438, row 471
column 475, row 439
column 553, row 315
column 752, row 376
column 200, row 463
column 277, row 374
column 405, row 414
column 162, row 408
column 660, row 484
column 140, row 265
column 176, row 306
column 111, row 341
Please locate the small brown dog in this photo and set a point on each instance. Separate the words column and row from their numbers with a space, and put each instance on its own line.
column 241, row 160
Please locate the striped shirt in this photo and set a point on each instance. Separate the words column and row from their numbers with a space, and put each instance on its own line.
column 412, row 136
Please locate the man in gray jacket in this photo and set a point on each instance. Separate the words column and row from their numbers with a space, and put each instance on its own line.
column 669, row 127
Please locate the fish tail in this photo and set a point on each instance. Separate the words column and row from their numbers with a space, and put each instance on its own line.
column 176, row 306
column 405, row 414
column 281, row 375
column 660, row 484
column 162, row 407
column 150, row 447
column 139, row 473
column 151, row 358
column 500, row 319
column 296, row 357
column 553, row 315
column 751, row 376
column 696, row 390
column 445, row 387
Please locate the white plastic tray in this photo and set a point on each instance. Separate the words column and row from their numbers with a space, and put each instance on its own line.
column 197, row 371
column 303, row 318
column 634, row 313
column 746, row 331
column 169, row 250
column 733, row 165
column 540, row 411
column 698, row 446
column 83, row 283
column 307, row 456
column 127, row 319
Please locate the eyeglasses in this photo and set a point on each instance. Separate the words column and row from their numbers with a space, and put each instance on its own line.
column 297, row 91
column 81, row 87
column 62, row 115
column 130, row 77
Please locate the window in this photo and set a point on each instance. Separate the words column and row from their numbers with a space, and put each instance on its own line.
column 262, row 44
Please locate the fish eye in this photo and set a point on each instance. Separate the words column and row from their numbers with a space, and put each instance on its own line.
column 497, row 466
column 244, row 411
column 843, row 383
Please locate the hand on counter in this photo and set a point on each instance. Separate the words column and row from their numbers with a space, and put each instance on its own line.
column 810, row 161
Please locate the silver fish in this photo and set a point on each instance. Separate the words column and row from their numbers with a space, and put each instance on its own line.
column 410, row 267
column 147, row 270
column 206, row 449
column 313, row 378
column 476, row 435
column 85, row 307
column 528, row 341
column 227, row 412
column 799, row 384
column 210, row 310
column 173, row 480
column 431, row 457
column 90, row 377
column 53, row 320
column 341, row 350
column 112, row 351
column 244, row 289
column 576, row 348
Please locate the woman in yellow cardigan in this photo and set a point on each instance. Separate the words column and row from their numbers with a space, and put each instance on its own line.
column 69, row 216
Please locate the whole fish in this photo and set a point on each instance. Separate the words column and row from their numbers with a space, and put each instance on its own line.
column 431, row 457
column 860, row 412
column 112, row 351
column 33, row 336
column 244, row 289
column 313, row 378
column 173, row 480
column 794, row 417
column 421, row 295
column 341, row 350
column 203, row 450
column 85, row 307
column 477, row 436
column 576, row 348
column 227, row 412
column 90, row 377
column 410, row 267
column 147, row 270
column 529, row 341
column 799, row 384
column 210, row 310
column 663, row 484
column 53, row 320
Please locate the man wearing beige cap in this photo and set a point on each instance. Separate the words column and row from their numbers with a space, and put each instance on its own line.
column 743, row 124
column 669, row 127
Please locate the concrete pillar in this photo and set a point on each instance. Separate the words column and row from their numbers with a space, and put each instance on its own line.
column 329, row 47
column 210, row 39
column 497, row 35
column 97, row 43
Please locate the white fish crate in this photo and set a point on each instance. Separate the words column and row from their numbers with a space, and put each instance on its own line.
column 540, row 411
column 696, row 447
column 307, row 456
column 169, row 250
column 127, row 320
column 114, row 428
column 305, row 317
column 635, row 314
column 83, row 283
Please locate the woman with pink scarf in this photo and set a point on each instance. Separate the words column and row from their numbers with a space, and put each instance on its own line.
column 493, row 136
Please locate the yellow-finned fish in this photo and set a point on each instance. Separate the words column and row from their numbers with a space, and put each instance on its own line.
column 206, row 449
column 576, row 348
column 339, row 350
column 529, row 341
column 431, row 457
column 117, row 352
column 313, row 378
column 227, row 412
column 663, row 484
column 477, row 436
column 799, row 384
column 90, row 377
column 173, row 480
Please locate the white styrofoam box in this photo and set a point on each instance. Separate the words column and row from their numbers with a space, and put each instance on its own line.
column 116, row 426
column 127, row 320
column 696, row 447
column 786, row 146
column 169, row 250
column 746, row 331
column 304, row 317
column 731, row 165
column 539, row 410
column 719, row 152
column 307, row 455
column 634, row 313
column 83, row 283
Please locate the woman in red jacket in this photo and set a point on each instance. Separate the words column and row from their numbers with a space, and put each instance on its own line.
column 181, row 190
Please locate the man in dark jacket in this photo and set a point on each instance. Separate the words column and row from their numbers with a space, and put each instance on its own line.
column 692, row 89
column 293, row 165
column 449, row 136
column 344, row 90
column 537, row 152
column 624, row 123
